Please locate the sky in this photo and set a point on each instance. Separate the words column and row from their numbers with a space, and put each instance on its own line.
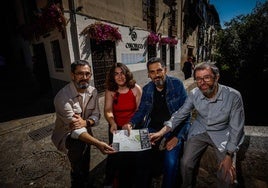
column 228, row 9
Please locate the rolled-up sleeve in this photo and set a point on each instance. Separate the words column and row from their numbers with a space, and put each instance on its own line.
column 76, row 133
column 64, row 109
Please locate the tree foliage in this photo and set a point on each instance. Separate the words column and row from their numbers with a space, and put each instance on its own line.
column 242, row 48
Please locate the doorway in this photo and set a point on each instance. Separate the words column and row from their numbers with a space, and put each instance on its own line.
column 103, row 58
column 40, row 69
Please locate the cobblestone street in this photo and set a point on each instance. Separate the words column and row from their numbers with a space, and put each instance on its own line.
column 28, row 157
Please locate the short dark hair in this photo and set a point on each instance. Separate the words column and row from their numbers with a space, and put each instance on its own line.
column 206, row 65
column 155, row 60
column 79, row 63
column 111, row 85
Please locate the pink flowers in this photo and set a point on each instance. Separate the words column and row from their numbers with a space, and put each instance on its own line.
column 102, row 32
column 168, row 40
column 50, row 18
column 152, row 38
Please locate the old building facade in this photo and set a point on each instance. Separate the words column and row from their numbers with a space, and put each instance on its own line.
column 132, row 32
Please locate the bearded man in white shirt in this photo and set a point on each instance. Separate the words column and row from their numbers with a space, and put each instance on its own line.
column 77, row 110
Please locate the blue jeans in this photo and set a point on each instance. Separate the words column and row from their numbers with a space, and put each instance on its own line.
column 171, row 166
column 171, row 176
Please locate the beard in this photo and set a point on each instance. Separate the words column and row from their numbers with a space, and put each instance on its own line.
column 82, row 84
column 210, row 91
column 160, row 82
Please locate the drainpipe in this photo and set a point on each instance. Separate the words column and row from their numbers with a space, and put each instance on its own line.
column 73, row 30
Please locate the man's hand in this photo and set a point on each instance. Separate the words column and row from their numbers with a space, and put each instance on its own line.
column 77, row 122
column 171, row 143
column 154, row 137
column 127, row 127
column 227, row 169
column 105, row 148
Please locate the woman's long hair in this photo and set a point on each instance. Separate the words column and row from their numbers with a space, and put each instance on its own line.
column 110, row 83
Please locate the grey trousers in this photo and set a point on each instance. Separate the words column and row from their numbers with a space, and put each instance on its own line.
column 193, row 151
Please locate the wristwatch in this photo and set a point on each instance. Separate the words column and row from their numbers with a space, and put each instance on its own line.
column 231, row 154
column 89, row 124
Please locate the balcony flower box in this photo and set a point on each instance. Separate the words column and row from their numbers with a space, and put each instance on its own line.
column 102, row 32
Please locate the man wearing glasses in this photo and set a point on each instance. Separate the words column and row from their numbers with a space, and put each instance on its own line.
column 219, row 123
column 77, row 110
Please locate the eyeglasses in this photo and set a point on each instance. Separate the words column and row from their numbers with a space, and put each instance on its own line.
column 206, row 78
column 82, row 74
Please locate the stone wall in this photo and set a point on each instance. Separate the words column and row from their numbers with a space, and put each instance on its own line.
column 252, row 161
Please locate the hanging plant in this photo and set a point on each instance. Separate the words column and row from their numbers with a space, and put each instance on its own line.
column 152, row 38
column 102, row 32
column 173, row 42
column 165, row 40
column 169, row 41
column 49, row 19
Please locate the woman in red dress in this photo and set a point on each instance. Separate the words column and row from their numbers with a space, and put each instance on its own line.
column 122, row 98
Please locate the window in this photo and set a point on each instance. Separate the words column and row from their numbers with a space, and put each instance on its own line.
column 55, row 46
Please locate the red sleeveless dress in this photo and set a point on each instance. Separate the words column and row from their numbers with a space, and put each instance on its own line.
column 124, row 106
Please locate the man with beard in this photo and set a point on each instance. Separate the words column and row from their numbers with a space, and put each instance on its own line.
column 77, row 110
column 160, row 98
column 219, row 123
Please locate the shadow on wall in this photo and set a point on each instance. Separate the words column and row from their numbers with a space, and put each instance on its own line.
column 21, row 95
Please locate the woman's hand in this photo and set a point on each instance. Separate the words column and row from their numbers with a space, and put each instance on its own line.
column 127, row 127
column 113, row 128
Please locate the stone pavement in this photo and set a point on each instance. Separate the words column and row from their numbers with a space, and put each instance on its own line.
column 29, row 159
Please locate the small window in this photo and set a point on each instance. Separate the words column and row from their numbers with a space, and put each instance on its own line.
column 55, row 46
